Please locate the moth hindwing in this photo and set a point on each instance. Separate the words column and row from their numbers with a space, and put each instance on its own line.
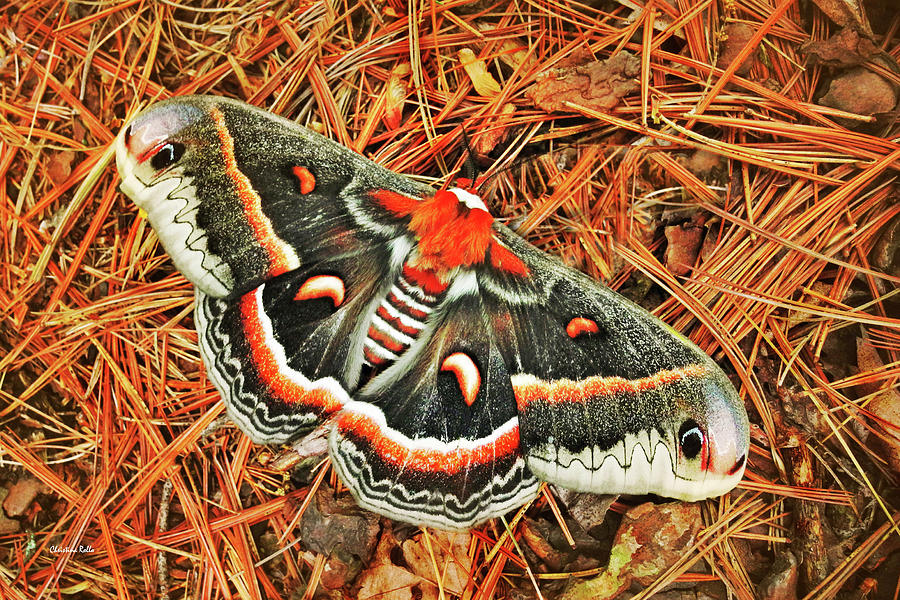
column 454, row 365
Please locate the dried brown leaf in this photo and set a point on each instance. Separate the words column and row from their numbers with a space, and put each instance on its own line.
column 451, row 555
column 885, row 405
column 497, row 132
column 847, row 13
column 60, row 166
column 651, row 538
column 683, row 247
column 22, row 494
column 861, row 92
column 846, row 48
column 338, row 525
column 781, row 582
column 599, row 85
column 386, row 580
column 7, row 525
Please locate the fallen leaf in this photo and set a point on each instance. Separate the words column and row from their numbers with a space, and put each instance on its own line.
column 657, row 536
column 651, row 538
column 886, row 253
column 536, row 536
column 683, row 247
column 451, row 554
column 515, row 54
column 845, row 13
column 598, row 85
column 339, row 527
column 497, row 131
column 702, row 162
column 588, row 510
column 389, row 582
column 395, row 91
column 7, row 525
column 781, row 582
column 846, row 48
column 59, row 166
column 513, row 51
column 22, row 494
column 484, row 83
column 385, row 580
column 885, row 405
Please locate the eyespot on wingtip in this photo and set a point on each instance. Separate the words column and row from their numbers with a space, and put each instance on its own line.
column 153, row 128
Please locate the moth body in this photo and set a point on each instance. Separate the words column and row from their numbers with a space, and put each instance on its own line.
column 454, row 365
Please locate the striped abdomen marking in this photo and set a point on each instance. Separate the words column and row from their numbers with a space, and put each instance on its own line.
column 401, row 316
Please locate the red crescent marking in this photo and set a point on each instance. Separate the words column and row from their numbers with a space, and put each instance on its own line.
column 581, row 325
column 433, row 460
column 307, row 179
column 281, row 260
column 322, row 286
column 269, row 368
column 564, row 391
column 467, row 374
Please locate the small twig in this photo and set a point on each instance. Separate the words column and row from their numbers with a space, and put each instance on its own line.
column 162, row 524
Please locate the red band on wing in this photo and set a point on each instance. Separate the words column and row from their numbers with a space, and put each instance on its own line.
column 322, row 286
column 307, row 180
column 282, row 257
column 289, row 386
column 529, row 389
column 581, row 325
column 396, row 449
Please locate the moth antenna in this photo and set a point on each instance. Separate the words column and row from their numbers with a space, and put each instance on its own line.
column 470, row 170
column 514, row 148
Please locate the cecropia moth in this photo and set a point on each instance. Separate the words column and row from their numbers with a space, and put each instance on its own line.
column 455, row 365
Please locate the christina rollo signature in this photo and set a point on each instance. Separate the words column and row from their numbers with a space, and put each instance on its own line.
column 71, row 549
